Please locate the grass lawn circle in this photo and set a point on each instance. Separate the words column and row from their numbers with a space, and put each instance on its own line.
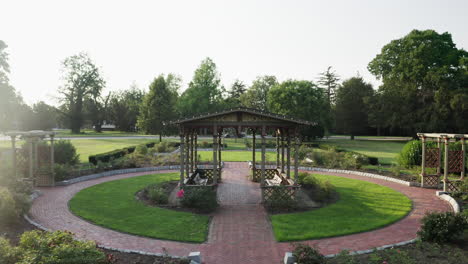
column 113, row 205
column 363, row 206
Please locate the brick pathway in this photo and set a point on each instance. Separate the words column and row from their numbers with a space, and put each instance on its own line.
column 240, row 231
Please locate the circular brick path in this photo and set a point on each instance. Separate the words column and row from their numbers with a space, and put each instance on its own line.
column 240, row 231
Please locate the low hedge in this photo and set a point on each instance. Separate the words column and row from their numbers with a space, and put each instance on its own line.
column 118, row 153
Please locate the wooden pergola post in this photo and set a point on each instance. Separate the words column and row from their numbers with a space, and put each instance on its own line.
column 296, row 156
column 439, row 146
column 254, row 166
column 215, row 155
column 191, row 150
column 220, row 147
column 196, row 150
column 31, row 160
column 423, row 160
column 187, row 154
column 462, row 176
column 277, row 149
column 282, row 151
column 262, row 179
column 288, row 157
column 182, row 157
column 446, row 141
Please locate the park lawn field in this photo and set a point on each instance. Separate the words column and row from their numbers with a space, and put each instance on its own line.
column 236, row 156
column 386, row 151
column 91, row 133
column 113, row 205
column 362, row 206
column 87, row 147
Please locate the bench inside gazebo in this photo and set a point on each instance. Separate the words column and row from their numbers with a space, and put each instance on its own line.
column 273, row 181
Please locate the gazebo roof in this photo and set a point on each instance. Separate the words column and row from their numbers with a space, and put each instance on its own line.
column 242, row 110
column 32, row 133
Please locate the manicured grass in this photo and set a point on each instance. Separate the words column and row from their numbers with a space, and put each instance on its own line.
column 87, row 147
column 236, row 156
column 113, row 205
column 362, row 206
column 92, row 133
column 386, row 151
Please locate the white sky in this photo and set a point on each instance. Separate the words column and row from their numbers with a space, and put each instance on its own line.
column 138, row 40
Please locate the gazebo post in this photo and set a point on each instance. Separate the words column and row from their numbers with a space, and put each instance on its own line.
column 196, row 149
column 462, row 176
column 296, row 156
column 13, row 151
column 423, row 160
column 191, row 151
column 446, row 162
column 182, row 157
column 282, row 150
column 262, row 180
column 215, row 156
column 187, row 154
column 277, row 149
column 219, row 151
column 439, row 146
column 52, row 159
column 31, row 161
column 288, row 157
column 254, row 166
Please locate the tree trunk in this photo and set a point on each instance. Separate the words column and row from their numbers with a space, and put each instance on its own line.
column 98, row 128
column 352, row 137
column 160, row 137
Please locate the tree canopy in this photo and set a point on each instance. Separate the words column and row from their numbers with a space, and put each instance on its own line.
column 257, row 94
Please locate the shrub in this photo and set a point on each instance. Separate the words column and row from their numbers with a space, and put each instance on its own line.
column 305, row 254
column 158, row 195
column 8, row 210
column 57, row 248
column 141, row 149
column 442, row 227
column 202, row 199
column 65, row 153
column 8, row 254
column 62, row 172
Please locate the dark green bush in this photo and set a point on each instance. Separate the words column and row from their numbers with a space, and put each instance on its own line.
column 203, row 199
column 62, row 172
column 50, row 248
column 65, row 153
column 157, row 195
column 318, row 190
column 442, row 227
column 305, row 254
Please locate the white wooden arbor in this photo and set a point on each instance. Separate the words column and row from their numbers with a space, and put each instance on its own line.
column 34, row 174
column 454, row 160
column 260, row 122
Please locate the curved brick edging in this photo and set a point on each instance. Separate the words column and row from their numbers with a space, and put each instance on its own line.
column 238, row 233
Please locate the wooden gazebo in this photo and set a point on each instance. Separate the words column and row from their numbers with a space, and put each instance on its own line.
column 285, row 129
column 454, row 160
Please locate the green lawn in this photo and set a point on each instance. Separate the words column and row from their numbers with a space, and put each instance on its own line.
column 386, row 151
column 113, row 205
column 92, row 133
column 86, row 147
column 362, row 206
column 236, row 156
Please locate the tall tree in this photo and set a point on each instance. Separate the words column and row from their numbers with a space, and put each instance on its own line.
column 425, row 75
column 204, row 93
column 257, row 94
column 301, row 99
column 238, row 88
column 351, row 109
column 44, row 116
column 328, row 80
column 82, row 80
column 158, row 106
column 14, row 113
column 124, row 108
column 96, row 109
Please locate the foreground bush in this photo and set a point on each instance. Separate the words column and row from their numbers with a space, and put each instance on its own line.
column 157, row 195
column 13, row 203
column 442, row 227
column 50, row 248
column 203, row 199
column 305, row 254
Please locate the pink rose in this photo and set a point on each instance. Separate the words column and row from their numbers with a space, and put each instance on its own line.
column 180, row 193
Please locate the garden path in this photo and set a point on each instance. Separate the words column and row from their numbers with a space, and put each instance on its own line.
column 240, row 231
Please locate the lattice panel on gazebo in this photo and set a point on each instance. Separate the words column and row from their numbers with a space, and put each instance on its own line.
column 274, row 193
column 22, row 165
column 455, row 161
column 269, row 174
column 452, row 186
column 43, row 177
column 208, row 173
column 431, row 180
column 432, row 158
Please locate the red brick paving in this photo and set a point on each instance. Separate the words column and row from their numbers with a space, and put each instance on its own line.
column 240, row 231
